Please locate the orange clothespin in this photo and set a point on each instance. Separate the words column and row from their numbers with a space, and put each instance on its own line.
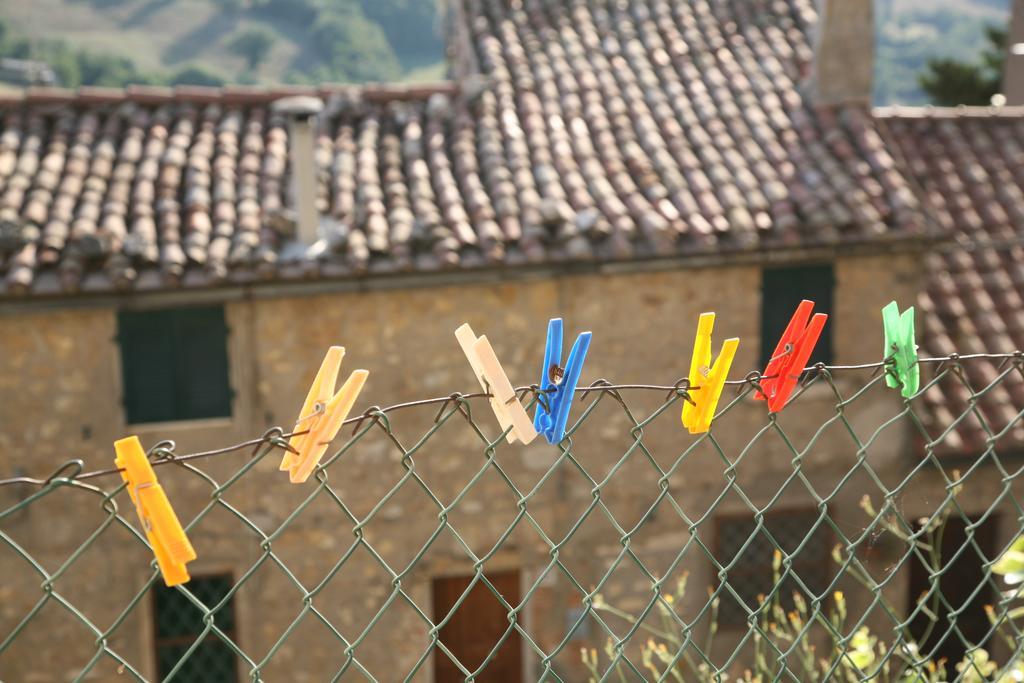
column 321, row 416
column 709, row 378
column 492, row 377
column 163, row 530
column 790, row 357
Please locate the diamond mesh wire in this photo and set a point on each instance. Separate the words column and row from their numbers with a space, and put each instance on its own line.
column 850, row 537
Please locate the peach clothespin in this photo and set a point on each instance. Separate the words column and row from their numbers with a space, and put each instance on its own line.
column 709, row 378
column 492, row 377
column 321, row 416
column 163, row 530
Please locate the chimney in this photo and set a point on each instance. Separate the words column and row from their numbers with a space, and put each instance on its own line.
column 1013, row 74
column 844, row 52
column 302, row 112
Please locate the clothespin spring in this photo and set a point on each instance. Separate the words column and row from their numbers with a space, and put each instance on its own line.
column 556, row 373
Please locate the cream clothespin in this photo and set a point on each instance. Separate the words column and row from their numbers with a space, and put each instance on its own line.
column 163, row 530
column 321, row 416
column 492, row 377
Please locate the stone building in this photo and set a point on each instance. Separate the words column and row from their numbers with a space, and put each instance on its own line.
column 625, row 166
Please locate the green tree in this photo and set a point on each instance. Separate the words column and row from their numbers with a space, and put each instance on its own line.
column 353, row 48
column 194, row 75
column 102, row 68
column 253, row 45
column 950, row 82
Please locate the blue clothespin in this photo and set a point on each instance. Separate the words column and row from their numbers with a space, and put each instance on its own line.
column 557, row 384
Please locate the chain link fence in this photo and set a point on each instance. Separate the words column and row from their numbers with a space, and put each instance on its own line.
column 855, row 536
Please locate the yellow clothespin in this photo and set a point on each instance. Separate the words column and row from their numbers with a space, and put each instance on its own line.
column 163, row 530
column 322, row 415
column 710, row 378
column 492, row 377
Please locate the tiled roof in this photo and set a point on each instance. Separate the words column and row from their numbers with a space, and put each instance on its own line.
column 969, row 165
column 593, row 131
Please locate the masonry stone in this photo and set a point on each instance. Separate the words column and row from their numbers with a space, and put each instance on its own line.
column 60, row 398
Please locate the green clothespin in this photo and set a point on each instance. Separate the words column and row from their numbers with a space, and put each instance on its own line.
column 900, row 345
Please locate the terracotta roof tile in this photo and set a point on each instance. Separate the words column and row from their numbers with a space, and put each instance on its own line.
column 967, row 163
column 626, row 130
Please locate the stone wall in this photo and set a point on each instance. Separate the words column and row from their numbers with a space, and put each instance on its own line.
column 60, row 398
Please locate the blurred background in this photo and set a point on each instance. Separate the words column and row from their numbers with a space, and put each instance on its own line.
column 942, row 52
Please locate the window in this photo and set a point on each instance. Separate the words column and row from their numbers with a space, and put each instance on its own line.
column 174, row 364
column 476, row 627
column 178, row 622
column 782, row 290
column 752, row 575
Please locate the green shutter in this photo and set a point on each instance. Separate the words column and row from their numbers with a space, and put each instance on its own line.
column 782, row 291
column 203, row 387
column 175, row 364
column 146, row 349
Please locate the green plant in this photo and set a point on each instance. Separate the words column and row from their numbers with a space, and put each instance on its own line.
column 852, row 654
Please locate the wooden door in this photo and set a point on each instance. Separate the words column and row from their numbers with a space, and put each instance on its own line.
column 476, row 627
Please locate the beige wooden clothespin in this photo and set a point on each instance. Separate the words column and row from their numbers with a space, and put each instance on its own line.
column 492, row 378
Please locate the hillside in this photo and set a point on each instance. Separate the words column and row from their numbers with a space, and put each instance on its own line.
column 113, row 42
column 247, row 41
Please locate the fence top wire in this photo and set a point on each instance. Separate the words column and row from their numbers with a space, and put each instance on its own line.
column 779, row 631
column 71, row 470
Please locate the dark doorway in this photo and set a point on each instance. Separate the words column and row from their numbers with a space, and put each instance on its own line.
column 960, row 578
column 476, row 627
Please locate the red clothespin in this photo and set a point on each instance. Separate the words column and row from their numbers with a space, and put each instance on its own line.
column 790, row 357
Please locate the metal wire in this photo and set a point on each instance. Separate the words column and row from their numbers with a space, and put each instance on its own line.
column 278, row 437
column 645, row 627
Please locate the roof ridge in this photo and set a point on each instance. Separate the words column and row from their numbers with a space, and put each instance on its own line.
column 228, row 94
column 934, row 112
